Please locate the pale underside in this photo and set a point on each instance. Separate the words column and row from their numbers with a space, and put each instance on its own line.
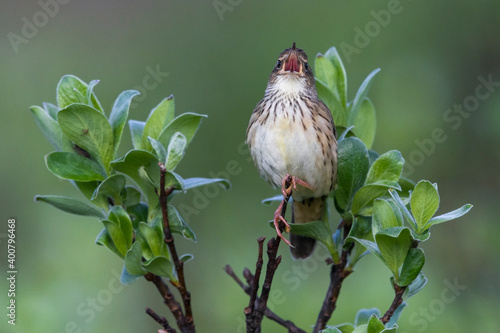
column 287, row 142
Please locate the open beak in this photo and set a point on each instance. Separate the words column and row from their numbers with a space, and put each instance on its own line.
column 292, row 62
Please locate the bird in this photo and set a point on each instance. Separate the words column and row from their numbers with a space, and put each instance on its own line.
column 291, row 136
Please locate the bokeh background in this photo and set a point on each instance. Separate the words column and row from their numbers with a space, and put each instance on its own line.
column 215, row 57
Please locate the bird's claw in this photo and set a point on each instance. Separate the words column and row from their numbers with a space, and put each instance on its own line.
column 290, row 183
column 277, row 219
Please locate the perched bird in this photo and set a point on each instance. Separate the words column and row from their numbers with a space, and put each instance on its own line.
column 291, row 135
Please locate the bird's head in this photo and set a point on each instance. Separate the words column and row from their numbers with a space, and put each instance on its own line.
column 292, row 73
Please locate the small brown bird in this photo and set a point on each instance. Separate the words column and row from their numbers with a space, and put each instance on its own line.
column 291, row 133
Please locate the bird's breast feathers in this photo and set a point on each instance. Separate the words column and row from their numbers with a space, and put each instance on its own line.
column 287, row 143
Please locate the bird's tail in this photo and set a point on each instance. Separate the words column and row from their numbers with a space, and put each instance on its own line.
column 308, row 210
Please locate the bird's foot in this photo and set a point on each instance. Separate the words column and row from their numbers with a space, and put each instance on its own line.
column 289, row 183
column 279, row 218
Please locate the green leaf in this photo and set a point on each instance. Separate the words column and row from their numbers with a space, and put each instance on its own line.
column 70, row 205
column 422, row 236
column 365, row 123
column 136, row 130
column 73, row 166
column 110, row 188
column 120, row 216
column 175, row 151
column 51, row 110
column 178, row 225
column 89, row 92
column 412, row 266
column 131, row 196
column 361, row 329
column 159, row 265
column 363, row 199
column 352, row 169
column 406, row 213
column 394, row 244
column 270, row 200
column 194, row 182
column 141, row 166
column 158, row 148
column 360, row 96
column 104, row 239
column 138, row 212
column 325, row 71
column 372, row 156
column 387, row 167
column 392, row 324
column 375, row 325
column 126, row 278
column 158, row 119
column 117, row 237
column 50, row 129
column 319, row 230
column 363, row 316
column 370, row 246
column 331, row 330
column 90, row 130
column 152, row 239
column 175, row 180
column 418, row 283
column 88, row 189
column 341, row 78
column 345, row 132
column 186, row 257
column 449, row 216
column 119, row 114
column 133, row 260
column 71, row 89
column 384, row 216
column 407, row 185
column 362, row 229
column 343, row 328
column 331, row 101
column 424, row 202
column 186, row 123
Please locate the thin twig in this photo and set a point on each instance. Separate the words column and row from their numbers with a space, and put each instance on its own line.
column 188, row 325
column 168, row 297
column 160, row 320
column 272, row 266
column 255, row 283
column 337, row 275
column 268, row 313
column 398, row 299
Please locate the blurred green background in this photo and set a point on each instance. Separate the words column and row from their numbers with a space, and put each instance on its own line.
column 215, row 57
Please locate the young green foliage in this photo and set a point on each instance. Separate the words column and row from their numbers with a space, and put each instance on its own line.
column 121, row 191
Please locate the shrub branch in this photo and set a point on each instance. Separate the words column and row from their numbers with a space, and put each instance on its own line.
column 337, row 275
column 257, row 307
column 184, row 320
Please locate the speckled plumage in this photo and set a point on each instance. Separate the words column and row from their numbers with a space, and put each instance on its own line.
column 291, row 132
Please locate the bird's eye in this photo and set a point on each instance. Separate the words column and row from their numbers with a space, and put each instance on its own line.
column 306, row 65
column 278, row 64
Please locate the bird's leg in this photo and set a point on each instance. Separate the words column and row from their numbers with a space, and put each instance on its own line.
column 278, row 217
column 288, row 184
